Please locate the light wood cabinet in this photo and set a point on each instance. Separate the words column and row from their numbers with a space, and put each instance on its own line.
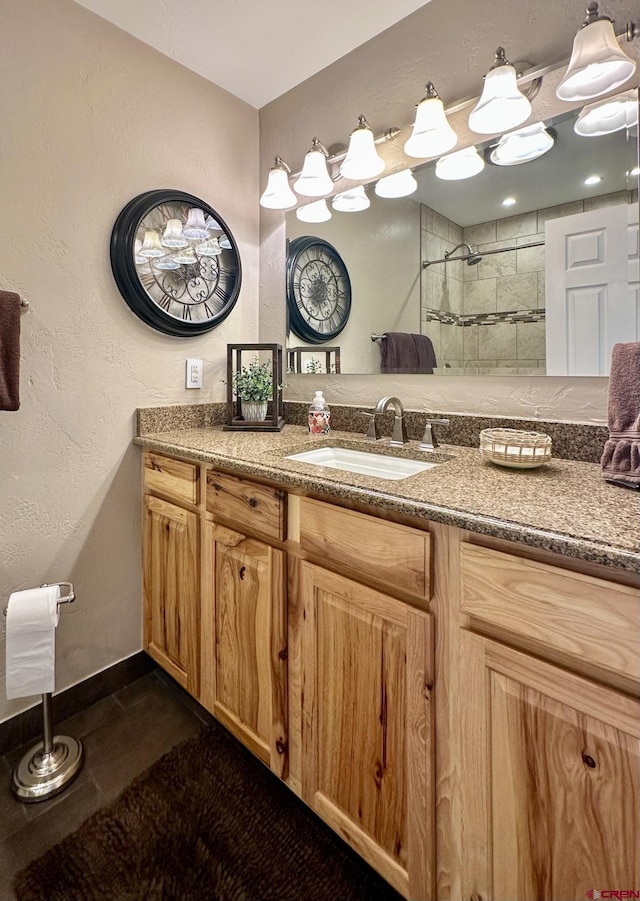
column 244, row 642
column 550, row 779
column 367, row 740
column 171, row 571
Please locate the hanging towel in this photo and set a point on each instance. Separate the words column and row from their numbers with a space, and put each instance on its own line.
column 406, row 352
column 621, row 456
column 9, row 350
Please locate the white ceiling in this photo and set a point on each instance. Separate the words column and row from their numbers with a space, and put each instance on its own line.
column 253, row 49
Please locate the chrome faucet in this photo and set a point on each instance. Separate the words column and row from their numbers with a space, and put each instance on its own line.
column 399, row 435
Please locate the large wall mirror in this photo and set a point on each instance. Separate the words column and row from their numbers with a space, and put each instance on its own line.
column 543, row 275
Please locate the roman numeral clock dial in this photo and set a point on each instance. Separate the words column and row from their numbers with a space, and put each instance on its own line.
column 318, row 290
column 175, row 262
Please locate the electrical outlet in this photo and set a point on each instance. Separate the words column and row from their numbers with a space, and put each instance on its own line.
column 194, row 374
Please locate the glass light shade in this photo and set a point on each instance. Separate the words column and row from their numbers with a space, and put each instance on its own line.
column 195, row 226
column 502, row 105
column 398, row 184
column 597, row 65
column 318, row 211
column 172, row 235
column 461, row 164
column 212, row 224
column 139, row 259
column 607, row 116
column 432, row 134
column 352, row 201
column 314, row 180
column 210, row 248
column 362, row 160
column 278, row 195
column 151, row 246
column 225, row 243
column 185, row 257
column 522, row 146
column 167, row 263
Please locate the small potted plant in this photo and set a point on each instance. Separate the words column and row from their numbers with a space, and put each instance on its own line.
column 253, row 386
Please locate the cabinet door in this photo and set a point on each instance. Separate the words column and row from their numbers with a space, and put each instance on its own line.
column 550, row 779
column 367, row 731
column 245, row 644
column 171, row 590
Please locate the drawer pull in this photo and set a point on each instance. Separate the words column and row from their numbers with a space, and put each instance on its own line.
column 589, row 761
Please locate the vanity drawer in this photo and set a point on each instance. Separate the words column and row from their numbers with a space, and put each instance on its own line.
column 244, row 504
column 174, row 479
column 579, row 615
column 364, row 546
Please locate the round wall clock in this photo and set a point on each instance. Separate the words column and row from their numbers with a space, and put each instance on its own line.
column 175, row 262
column 318, row 290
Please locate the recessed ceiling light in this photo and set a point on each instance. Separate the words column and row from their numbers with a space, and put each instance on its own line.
column 635, row 171
column 593, row 180
column 509, row 201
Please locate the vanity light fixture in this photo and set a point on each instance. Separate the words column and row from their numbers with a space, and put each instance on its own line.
column 314, row 180
column 195, row 227
column 318, row 211
column 353, row 201
column 521, row 146
column 151, row 247
column 362, row 160
column 210, row 248
column 460, row 164
column 432, row 135
column 212, row 224
column 608, row 116
column 278, row 195
column 502, row 105
column 598, row 64
column 398, row 184
column 592, row 180
column 225, row 243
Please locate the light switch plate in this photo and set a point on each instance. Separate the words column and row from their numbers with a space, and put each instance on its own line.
column 194, row 374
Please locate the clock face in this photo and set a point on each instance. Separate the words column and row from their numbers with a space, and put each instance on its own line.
column 175, row 262
column 318, row 290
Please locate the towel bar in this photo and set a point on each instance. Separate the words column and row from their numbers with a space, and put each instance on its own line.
column 54, row 762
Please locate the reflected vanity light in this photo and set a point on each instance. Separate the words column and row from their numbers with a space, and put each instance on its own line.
column 318, row 211
column 432, row 134
column 212, row 224
column 151, row 246
column 225, row 243
column 592, row 180
column 172, row 235
column 398, row 184
column 522, row 146
column 461, row 164
column 598, row 64
column 635, row 172
column 210, row 248
column 352, row 201
column 195, row 227
column 278, row 195
column 509, row 201
column 608, row 116
column 166, row 264
column 362, row 160
column 139, row 259
column 502, row 105
column 185, row 257
column 314, row 180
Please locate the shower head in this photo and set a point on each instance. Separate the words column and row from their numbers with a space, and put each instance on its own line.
column 474, row 258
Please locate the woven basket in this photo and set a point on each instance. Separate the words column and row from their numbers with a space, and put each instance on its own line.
column 510, row 447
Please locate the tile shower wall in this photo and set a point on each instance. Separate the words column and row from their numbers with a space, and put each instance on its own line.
column 490, row 318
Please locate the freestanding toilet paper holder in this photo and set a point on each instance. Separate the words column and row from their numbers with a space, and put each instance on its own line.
column 46, row 769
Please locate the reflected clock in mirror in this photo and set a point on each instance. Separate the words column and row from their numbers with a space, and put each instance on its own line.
column 318, row 289
column 175, row 262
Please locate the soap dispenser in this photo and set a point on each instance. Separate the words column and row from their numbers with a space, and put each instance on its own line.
column 319, row 415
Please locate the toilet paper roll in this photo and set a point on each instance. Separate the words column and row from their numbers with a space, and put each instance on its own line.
column 32, row 617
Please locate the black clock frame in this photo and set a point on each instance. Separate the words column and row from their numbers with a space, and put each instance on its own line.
column 297, row 323
column 122, row 252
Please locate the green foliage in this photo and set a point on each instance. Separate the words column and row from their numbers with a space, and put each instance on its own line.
column 254, row 382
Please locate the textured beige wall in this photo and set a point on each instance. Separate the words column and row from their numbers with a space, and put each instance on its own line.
column 89, row 118
column 451, row 44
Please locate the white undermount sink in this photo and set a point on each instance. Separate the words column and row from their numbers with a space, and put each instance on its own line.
column 366, row 463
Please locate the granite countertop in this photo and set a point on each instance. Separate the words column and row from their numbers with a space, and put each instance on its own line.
column 562, row 506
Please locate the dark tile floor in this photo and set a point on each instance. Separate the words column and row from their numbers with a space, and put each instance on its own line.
column 122, row 735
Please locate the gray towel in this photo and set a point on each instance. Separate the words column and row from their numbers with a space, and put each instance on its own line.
column 621, row 455
column 9, row 350
column 406, row 352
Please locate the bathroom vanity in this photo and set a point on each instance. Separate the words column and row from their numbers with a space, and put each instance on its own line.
column 445, row 667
